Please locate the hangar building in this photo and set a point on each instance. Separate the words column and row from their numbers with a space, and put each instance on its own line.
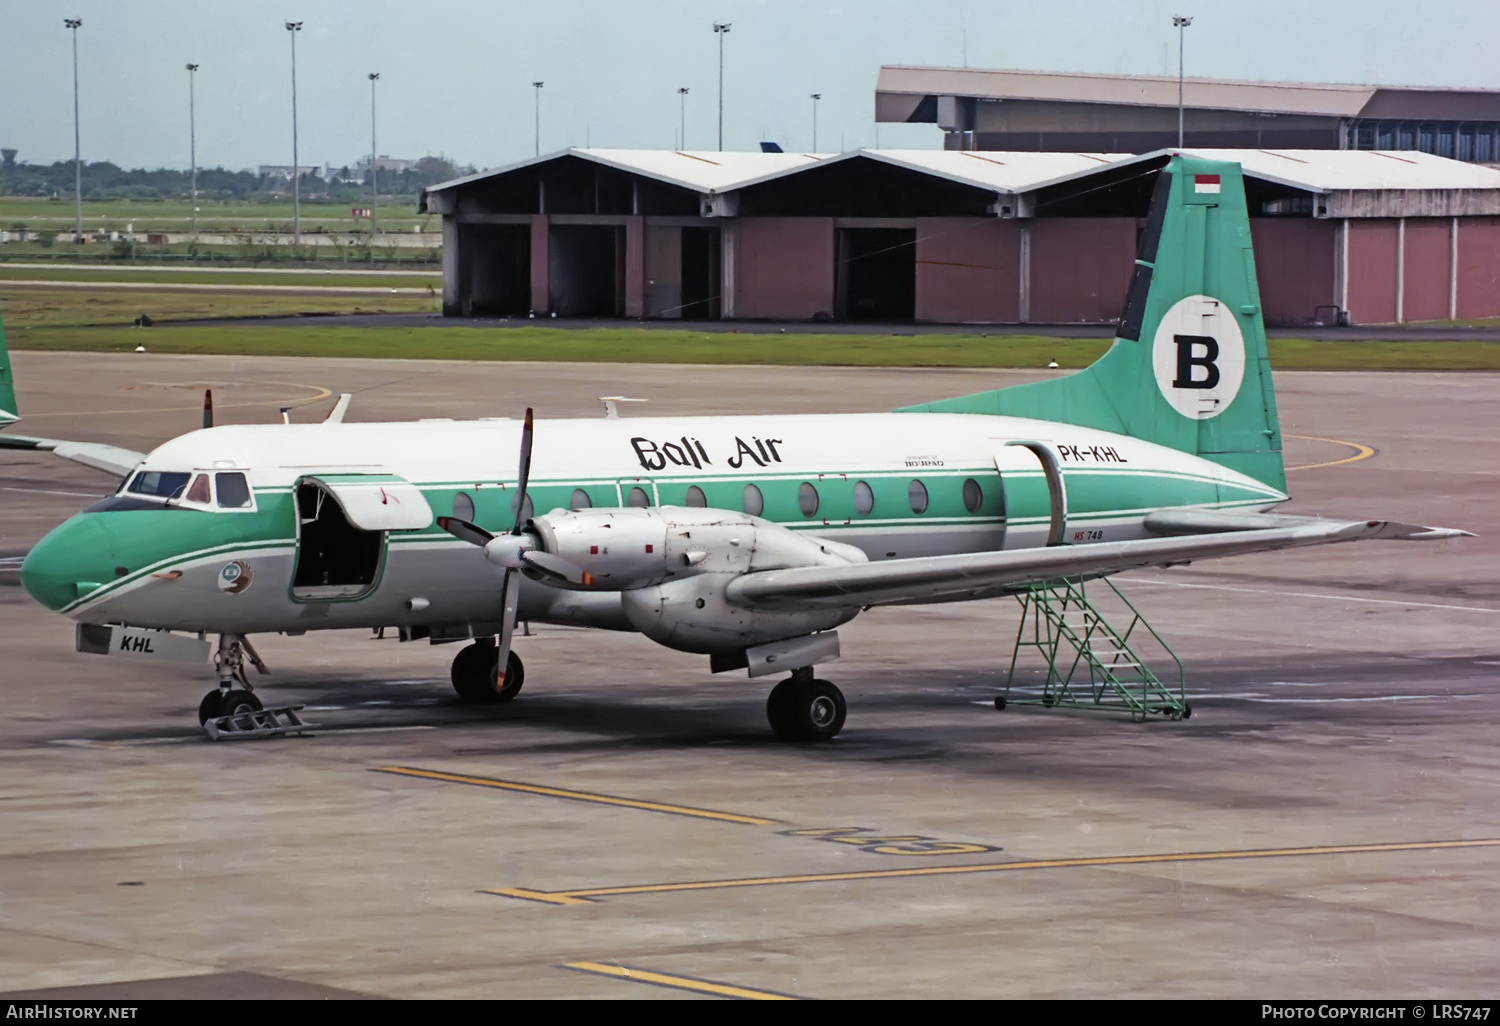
column 947, row 236
column 980, row 109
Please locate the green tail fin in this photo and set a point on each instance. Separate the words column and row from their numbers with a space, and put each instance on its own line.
column 1188, row 368
column 8, row 410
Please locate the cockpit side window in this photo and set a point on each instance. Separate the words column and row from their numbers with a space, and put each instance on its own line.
column 163, row 484
column 233, row 490
column 198, row 491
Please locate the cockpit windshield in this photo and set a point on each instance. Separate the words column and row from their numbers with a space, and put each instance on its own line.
column 163, row 484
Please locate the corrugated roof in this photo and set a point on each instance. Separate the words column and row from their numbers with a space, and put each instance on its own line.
column 1013, row 172
column 1002, row 172
column 1359, row 170
column 1145, row 90
column 701, row 171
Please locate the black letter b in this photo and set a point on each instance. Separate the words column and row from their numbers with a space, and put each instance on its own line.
column 1187, row 359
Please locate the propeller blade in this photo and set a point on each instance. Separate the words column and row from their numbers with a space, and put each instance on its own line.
column 465, row 531
column 510, row 598
column 525, row 471
column 557, row 567
column 208, row 407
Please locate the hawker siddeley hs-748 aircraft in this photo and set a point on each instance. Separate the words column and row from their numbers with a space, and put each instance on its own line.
column 745, row 538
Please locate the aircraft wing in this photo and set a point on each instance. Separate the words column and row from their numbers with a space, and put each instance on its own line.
column 939, row 578
column 109, row 458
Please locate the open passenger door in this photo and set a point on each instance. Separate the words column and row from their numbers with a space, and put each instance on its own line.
column 342, row 520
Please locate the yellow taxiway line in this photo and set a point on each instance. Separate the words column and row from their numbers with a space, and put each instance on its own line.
column 579, row 796
column 1361, row 452
column 692, row 983
column 588, row 895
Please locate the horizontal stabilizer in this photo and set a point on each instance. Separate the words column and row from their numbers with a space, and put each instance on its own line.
column 940, row 578
column 109, row 458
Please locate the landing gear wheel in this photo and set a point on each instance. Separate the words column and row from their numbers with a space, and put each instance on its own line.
column 806, row 710
column 208, row 709
column 237, row 702
column 474, row 675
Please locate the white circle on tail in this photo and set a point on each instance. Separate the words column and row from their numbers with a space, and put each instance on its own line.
column 1199, row 357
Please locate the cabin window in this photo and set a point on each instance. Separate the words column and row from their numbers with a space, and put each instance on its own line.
column 807, row 499
column 198, row 490
column 580, row 500
column 916, row 494
column 164, row 484
column 864, row 499
column 521, row 510
column 233, row 490
column 638, row 497
column 973, row 496
column 754, row 502
column 695, row 496
column 463, row 507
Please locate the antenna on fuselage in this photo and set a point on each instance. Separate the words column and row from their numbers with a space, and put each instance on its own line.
column 611, row 410
column 286, row 414
column 208, row 407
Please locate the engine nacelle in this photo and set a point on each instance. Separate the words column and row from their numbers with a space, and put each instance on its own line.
column 631, row 547
column 672, row 565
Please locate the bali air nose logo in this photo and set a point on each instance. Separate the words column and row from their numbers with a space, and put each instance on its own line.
column 235, row 577
column 1199, row 357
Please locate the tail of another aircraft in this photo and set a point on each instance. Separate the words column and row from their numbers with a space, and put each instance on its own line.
column 1188, row 368
column 8, row 411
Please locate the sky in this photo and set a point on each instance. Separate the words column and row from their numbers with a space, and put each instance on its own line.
column 455, row 77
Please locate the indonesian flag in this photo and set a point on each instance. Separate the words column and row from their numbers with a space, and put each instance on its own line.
column 1205, row 183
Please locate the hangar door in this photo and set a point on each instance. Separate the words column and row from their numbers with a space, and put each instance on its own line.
column 586, row 270
column 496, row 268
column 876, row 279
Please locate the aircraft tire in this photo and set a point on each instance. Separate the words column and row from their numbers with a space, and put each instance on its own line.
column 237, row 702
column 811, row 710
column 473, row 675
column 209, row 708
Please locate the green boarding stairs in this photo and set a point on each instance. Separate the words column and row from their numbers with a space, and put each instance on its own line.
column 1090, row 664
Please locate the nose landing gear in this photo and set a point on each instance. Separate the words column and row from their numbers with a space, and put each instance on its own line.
column 475, row 673
column 229, row 664
column 804, row 708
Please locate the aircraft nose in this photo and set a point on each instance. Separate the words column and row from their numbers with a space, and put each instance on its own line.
column 75, row 559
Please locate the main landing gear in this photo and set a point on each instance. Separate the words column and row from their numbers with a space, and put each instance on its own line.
column 804, row 708
column 235, row 694
column 475, row 674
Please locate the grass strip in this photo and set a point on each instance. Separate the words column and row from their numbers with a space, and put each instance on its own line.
column 645, row 345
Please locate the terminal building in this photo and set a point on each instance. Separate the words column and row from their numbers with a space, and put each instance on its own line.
column 974, row 236
column 979, row 109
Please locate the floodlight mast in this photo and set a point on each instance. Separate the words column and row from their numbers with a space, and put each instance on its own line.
column 374, row 77
column 193, row 144
column 73, row 24
column 538, row 87
column 293, row 27
column 682, row 93
column 1180, row 23
column 721, row 29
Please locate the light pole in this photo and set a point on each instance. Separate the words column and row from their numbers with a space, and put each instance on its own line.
column 721, row 29
column 294, row 27
column 74, row 23
column 538, row 87
column 815, row 98
column 193, row 143
column 682, row 117
column 1180, row 23
column 374, row 77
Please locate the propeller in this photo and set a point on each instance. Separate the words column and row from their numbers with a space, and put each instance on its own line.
column 208, row 407
column 516, row 551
